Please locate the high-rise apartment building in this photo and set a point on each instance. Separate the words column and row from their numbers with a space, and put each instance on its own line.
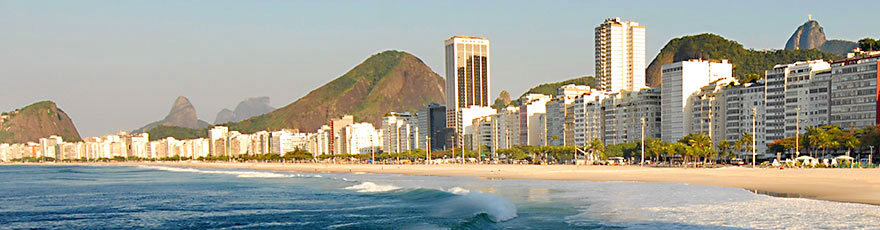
column 335, row 126
column 467, row 77
column 620, row 55
column 854, row 91
column 787, row 92
column 622, row 114
column 681, row 80
column 432, row 124
column 559, row 110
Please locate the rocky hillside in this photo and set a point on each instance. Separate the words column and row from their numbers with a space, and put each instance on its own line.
column 35, row 121
column 385, row 82
column 711, row 46
column 182, row 114
column 811, row 35
column 248, row 108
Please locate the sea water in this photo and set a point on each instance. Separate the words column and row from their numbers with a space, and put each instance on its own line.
column 158, row 197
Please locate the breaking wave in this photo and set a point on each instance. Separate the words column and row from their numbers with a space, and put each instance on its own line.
column 458, row 202
column 372, row 187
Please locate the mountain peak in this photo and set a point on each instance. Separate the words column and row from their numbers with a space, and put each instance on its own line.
column 250, row 107
column 182, row 114
column 387, row 81
column 36, row 121
column 810, row 35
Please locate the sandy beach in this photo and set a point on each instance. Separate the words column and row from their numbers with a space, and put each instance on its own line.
column 842, row 185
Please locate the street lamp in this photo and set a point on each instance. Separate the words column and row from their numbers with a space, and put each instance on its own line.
column 643, row 143
column 754, row 136
column 797, row 134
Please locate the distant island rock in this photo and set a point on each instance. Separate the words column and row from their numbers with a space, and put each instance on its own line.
column 248, row 108
column 182, row 114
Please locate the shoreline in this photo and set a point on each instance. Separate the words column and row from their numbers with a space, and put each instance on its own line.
column 839, row 185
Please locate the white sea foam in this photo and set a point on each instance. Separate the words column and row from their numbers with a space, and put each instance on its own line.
column 458, row 191
column 372, row 187
column 240, row 174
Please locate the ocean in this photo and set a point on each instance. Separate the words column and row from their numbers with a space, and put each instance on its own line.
column 158, row 197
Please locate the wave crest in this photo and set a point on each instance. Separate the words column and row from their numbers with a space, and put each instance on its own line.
column 372, row 187
column 239, row 174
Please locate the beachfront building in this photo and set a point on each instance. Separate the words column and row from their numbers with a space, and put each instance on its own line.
column 49, row 146
column 559, row 111
column 854, row 91
column 709, row 109
column 286, row 140
column 620, row 55
column 484, row 133
column 507, row 123
column 432, row 126
column 818, row 106
column 467, row 79
column 319, row 142
column 623, row 112
column 532, row 126
column 360, row 138
column 468, row 115
column 787, row 91
column 400, row 132
column 589, row 117
column 743, row 101
column 681, row 80
column 336, row 125
column 218, row 135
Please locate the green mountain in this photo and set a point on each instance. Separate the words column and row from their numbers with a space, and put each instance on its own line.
column 386, row 82
column 550, row 88
column 36, row 121
column 711, row 46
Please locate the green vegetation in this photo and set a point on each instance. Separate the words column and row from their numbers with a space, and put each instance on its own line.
column 180, row 133
column 550, row 89
column 817, row 141
column 869, row 44
column 502, row 101
column 745, row 61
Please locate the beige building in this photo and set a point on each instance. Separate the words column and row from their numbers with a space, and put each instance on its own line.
column 467, row 78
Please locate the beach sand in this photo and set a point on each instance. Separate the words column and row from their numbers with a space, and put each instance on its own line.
column 843, row 185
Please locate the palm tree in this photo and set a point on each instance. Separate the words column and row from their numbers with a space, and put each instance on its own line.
column 724, row 147
column 701, row 145
column 598, row 147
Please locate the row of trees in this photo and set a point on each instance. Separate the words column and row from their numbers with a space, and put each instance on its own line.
column 817, row 141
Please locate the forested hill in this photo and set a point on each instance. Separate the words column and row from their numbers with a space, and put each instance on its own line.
column 711, row 46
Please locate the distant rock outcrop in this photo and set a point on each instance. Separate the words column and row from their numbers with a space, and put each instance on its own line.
column 36, row 121
column 248, row 108
column 811, row 35
column 182, row 114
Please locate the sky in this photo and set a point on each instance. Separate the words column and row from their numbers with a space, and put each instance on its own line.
column 118, row 65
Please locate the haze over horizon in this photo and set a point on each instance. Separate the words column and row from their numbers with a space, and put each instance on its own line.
column 116, row 66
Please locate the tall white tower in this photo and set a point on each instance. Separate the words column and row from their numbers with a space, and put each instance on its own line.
column 620, row 55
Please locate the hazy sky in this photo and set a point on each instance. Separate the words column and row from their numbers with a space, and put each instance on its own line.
column 118, row 65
